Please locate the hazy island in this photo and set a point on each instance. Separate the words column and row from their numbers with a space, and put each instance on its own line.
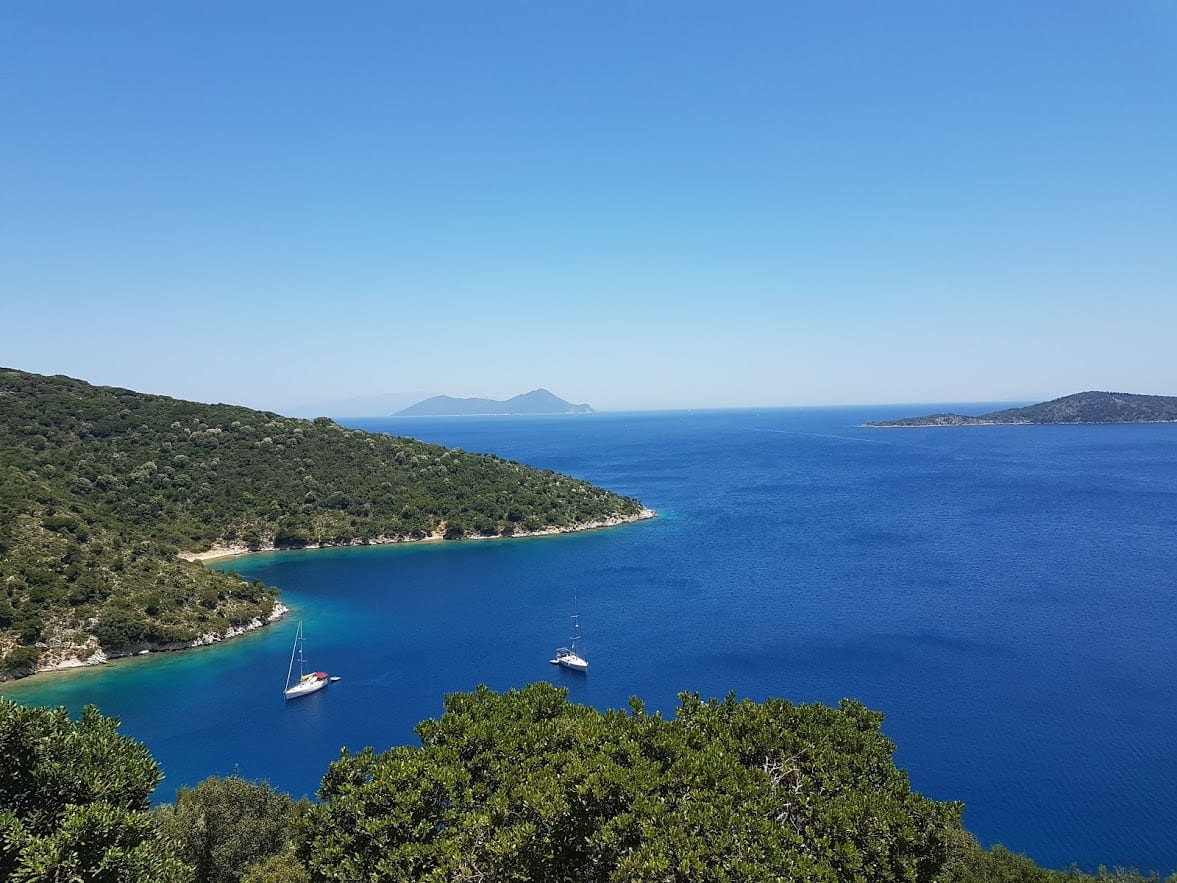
column 536, row 402
column 1082, row 407
column 107, row 497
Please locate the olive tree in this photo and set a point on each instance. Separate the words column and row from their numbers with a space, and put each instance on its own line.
column 74, row 799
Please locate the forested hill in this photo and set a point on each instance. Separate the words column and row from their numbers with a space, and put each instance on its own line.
column 101, row 488
column 1082, row 407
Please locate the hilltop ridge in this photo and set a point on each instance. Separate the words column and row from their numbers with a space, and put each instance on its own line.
column 1081, row 407
column 102, row 490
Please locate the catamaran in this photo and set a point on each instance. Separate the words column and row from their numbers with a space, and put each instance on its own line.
column 306, row 683
column 567, row 656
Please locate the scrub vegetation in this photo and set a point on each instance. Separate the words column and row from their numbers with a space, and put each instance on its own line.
column 102, row 488
column 521, row 786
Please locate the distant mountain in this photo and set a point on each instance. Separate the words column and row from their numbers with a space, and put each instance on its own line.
column 1082, row 407
column 538, row 401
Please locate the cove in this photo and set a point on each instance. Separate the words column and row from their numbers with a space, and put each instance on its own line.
column 1002, row 594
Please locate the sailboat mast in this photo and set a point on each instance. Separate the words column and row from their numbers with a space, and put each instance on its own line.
column 293, row 650
column 575, row 629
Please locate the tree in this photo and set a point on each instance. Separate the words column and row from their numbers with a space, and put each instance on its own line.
column 282, row 868
column 73, row 801
column 526, row 786
column 222, row 826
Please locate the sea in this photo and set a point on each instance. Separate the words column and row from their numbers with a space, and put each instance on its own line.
column 1003, row 594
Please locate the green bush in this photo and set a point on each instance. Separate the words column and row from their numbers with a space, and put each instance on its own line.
column 525, row 786
column 73, row 801
column 223, row 826
column 20, row 661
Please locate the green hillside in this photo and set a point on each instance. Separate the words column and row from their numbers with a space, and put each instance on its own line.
column 1082, row 407
column 101, row 488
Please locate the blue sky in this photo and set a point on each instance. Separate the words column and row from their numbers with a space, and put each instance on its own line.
column 637, row 205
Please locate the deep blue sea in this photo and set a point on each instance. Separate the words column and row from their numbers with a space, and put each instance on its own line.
column 1005, row 595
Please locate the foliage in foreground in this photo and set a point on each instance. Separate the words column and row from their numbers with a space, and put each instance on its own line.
column 100, row 488
column 73, row 801
column 230, row 829
column 526, row 786
column 518, row 786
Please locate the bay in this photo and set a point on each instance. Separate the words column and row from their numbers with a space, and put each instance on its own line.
column 1003, row 594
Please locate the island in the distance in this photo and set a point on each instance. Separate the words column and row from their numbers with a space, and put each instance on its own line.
column 1082, row 407
column 538, row 401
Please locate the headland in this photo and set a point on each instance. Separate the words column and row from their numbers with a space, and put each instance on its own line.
column 1080, row 408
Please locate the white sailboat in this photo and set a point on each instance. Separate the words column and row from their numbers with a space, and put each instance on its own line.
column 568, row 656
column 307, row 682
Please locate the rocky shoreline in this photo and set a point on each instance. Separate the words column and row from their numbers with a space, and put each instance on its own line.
column 70, row 660
column 437, row 536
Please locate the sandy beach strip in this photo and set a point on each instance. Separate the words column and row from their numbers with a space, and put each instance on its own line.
column 221, row 552
column 94, row 655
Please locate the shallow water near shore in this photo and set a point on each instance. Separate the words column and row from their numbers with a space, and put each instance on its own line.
column 1003, row 594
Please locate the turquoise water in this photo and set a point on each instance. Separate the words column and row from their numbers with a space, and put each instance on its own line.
column 1003, row 594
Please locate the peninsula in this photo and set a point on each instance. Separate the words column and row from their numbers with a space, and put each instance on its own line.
column 1082, row 407
column 536, row 402
column 109, row 498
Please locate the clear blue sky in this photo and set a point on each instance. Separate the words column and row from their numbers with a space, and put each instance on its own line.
column 638, row 204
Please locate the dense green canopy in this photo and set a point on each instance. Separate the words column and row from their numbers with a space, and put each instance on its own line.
column 526, row 786
column 520, row 786
column 74, row 799
column 100, row 488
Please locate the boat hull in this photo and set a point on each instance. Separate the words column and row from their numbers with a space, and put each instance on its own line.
column 568, row 659
column 309, row 684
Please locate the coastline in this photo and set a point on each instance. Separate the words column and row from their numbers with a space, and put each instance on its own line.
column 946, row 425
column 100, row 657
column 977, row 422
column 220, row 552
